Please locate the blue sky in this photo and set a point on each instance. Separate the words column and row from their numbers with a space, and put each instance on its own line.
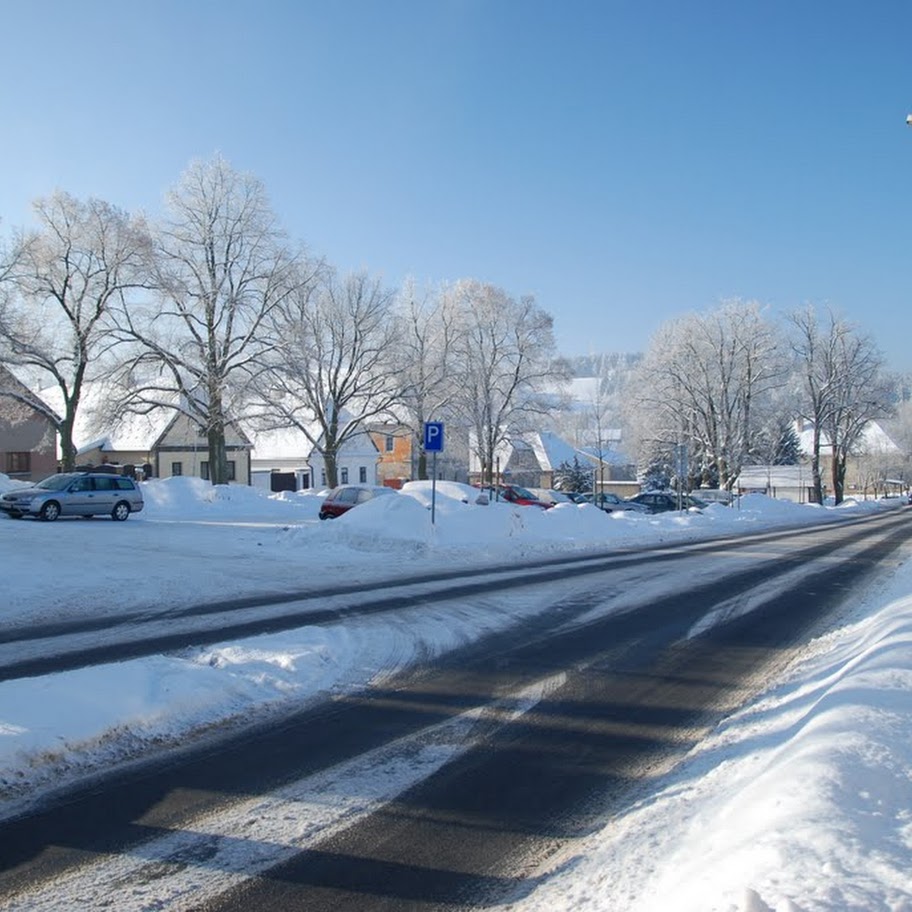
column 626, row 163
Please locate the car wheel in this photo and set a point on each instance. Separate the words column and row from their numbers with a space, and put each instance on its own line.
column 121, row 511
column 50, row 511
column 323, row 515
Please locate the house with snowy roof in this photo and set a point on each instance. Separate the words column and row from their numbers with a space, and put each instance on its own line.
column 531, row 459
column 165, row 442
column 875, row 467
column 284, row 459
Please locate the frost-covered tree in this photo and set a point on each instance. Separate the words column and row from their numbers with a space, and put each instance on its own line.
column 843, row 389
column 504, row 365
column 334, row 363
column 705, row 383
column 427, row 319
column 222, row 267
column 60, row 284
column 573, row 477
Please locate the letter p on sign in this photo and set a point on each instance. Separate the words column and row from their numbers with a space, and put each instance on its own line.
column 433, row 436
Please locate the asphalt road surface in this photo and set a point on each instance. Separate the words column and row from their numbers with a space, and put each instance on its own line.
column 510, row 746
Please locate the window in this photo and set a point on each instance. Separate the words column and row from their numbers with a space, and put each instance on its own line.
column 344, row 476
column 17, row 463
column 362, row 475
column 177, row 468
column 390, row 443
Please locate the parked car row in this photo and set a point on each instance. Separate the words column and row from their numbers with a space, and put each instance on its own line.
column 99, row 493
column 342, row 498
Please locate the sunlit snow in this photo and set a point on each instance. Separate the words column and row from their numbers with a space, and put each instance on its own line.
column 802, row 800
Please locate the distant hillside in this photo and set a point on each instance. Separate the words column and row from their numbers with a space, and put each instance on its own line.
column 598, row 405
column 613, row 369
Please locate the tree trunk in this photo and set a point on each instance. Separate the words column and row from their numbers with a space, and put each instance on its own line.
column 332, row 468
column 840, row 461
column 817, row 493
column 67, row 447
column 218, row 455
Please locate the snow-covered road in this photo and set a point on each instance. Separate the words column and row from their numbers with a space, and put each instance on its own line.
column 830, row 829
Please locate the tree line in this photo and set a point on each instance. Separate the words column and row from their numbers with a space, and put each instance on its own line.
column 214, row 312
column 728, row 384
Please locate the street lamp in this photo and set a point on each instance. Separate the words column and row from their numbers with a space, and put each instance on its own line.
column 909, row 119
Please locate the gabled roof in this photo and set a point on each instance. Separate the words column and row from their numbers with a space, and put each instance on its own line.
column 550, row 450
column 874, row 439
column 131, row 433
column 15, row 390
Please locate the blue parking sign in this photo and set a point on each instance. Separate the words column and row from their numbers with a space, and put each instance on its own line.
column 433, row 436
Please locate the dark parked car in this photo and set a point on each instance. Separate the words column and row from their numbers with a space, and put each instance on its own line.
column 75, row 494
column 341, row 499
column 715, row 495
column 611, row 503
column 665, row 501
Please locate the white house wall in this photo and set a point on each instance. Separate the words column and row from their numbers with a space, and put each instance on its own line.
column 356, row 454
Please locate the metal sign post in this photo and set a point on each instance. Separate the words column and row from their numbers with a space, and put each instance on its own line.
column 433, row 443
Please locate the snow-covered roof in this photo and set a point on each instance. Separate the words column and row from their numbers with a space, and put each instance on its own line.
column 774, row 476
column 280, row 443
column 130, row 433
column 10, row 382
column 550, row 450
column 292, row 443
column 874, row 439
column 610, row 452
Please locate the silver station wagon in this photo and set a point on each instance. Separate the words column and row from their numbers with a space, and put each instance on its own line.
column 75, row 494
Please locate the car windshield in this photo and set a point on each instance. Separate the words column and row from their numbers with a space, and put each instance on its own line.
column 55, row 482
column 523, row 493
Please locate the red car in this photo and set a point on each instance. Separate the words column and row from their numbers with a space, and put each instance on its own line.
column 514, row 494
column 340, row 500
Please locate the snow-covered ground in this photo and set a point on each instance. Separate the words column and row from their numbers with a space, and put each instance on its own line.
column 801, row 801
